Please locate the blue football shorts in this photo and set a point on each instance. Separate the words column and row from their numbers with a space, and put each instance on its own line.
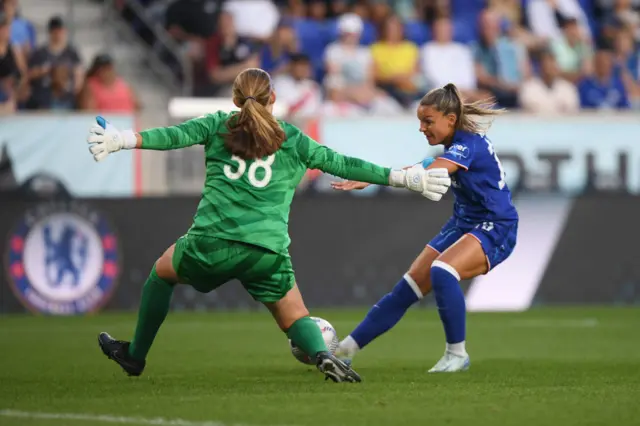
column 498, row 239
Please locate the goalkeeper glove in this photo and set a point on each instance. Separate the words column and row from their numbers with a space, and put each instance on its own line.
column 104, row 139
column 431, row 183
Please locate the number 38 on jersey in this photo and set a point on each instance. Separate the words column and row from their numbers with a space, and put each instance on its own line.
column 252, row 173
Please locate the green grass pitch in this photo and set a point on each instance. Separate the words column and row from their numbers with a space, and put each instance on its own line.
column 566, row 367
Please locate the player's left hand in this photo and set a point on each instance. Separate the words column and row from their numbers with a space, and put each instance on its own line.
column 431, row 183
column 105, row 139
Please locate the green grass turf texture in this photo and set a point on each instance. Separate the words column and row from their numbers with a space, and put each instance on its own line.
column 570, row 366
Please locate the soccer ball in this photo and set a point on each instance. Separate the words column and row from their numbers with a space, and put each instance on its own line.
column 330, row 338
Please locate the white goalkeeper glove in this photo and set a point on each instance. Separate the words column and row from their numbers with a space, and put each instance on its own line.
column 431, row 183
column 104, row 139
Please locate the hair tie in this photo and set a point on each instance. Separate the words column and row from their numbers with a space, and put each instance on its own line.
column 249, row 97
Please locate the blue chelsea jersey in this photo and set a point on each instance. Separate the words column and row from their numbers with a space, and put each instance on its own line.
column 481, row 193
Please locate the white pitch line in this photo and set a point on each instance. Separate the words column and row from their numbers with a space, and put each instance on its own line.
column 107, row 418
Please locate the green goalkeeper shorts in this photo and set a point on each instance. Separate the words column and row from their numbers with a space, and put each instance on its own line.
column 206, row 263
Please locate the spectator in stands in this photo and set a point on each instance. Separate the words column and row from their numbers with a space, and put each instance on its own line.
column 572, row 52
column 12, row 68
column 317, row 10
column 350, row 70
column 604, row 9
column 395, row 62
column 549, row 93
column 191, row 23
column 511, row 17
column 7, row 91
column 256, row 19
column 7, row 100
column 405, row 9
column 605, row 89
column 338, row 7
column 23, row 34
column 501, row 64
column 430, row 10
column 509, row 10
column 627, row 63
column 277, row 53
column 104, row 91
column 627, row 15
column 296, row 9
column 8, row 67
column 627, row 54
column 57, row 53
column 445, row 61
column 192, row 20
column 228, row 55
column 298, row 90
column 361, row 8
column 545, row 17
column 62, row 96
column 380, row 11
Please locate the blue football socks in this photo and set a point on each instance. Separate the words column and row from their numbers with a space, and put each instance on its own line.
column 387, row 312
column 445, row 282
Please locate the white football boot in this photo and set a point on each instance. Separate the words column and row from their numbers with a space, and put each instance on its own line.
column 346, row 350
column 451, row 363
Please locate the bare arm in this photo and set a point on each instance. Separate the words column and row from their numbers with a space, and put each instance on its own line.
column 441, row 163
column 21, row 63
column 78, row 78
column 137, row 105
column 227, row 74
column 8, row 107
column 371, row 73
column 35, row 73
column 85, row 99
column 484, row 78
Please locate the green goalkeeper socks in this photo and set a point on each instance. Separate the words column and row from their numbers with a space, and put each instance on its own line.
column 307, row 336
column 154, row 306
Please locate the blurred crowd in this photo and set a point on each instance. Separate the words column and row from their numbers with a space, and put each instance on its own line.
column 51, row 75
column 358, row 57
column 380, row 56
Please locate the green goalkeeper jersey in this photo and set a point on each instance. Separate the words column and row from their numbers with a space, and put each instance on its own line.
column 249, row 201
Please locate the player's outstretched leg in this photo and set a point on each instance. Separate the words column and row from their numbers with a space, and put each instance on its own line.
column 380, row 318
column 293, row 318
column 385, row 314
column 154, row 306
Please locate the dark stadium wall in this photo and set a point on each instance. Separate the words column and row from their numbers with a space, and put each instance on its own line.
column 347, row 251
column 597, row 260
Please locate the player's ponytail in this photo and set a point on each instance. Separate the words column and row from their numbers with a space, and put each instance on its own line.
column 448, row 100
column 253, row 132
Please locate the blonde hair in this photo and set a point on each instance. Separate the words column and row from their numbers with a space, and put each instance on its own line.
column 447, row 100
column 253, row 132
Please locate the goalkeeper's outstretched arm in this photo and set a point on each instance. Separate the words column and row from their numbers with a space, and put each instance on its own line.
column 105, row 139
column 191, row 132
column 431, row 184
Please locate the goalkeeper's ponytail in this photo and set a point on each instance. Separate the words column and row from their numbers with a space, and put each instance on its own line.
column 253, row 132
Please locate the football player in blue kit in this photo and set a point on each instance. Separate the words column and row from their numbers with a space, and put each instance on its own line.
column 479, row 236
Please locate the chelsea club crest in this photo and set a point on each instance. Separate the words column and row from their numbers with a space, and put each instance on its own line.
column 63, row 259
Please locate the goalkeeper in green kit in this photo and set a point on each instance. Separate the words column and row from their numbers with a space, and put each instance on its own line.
column 240, row 230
